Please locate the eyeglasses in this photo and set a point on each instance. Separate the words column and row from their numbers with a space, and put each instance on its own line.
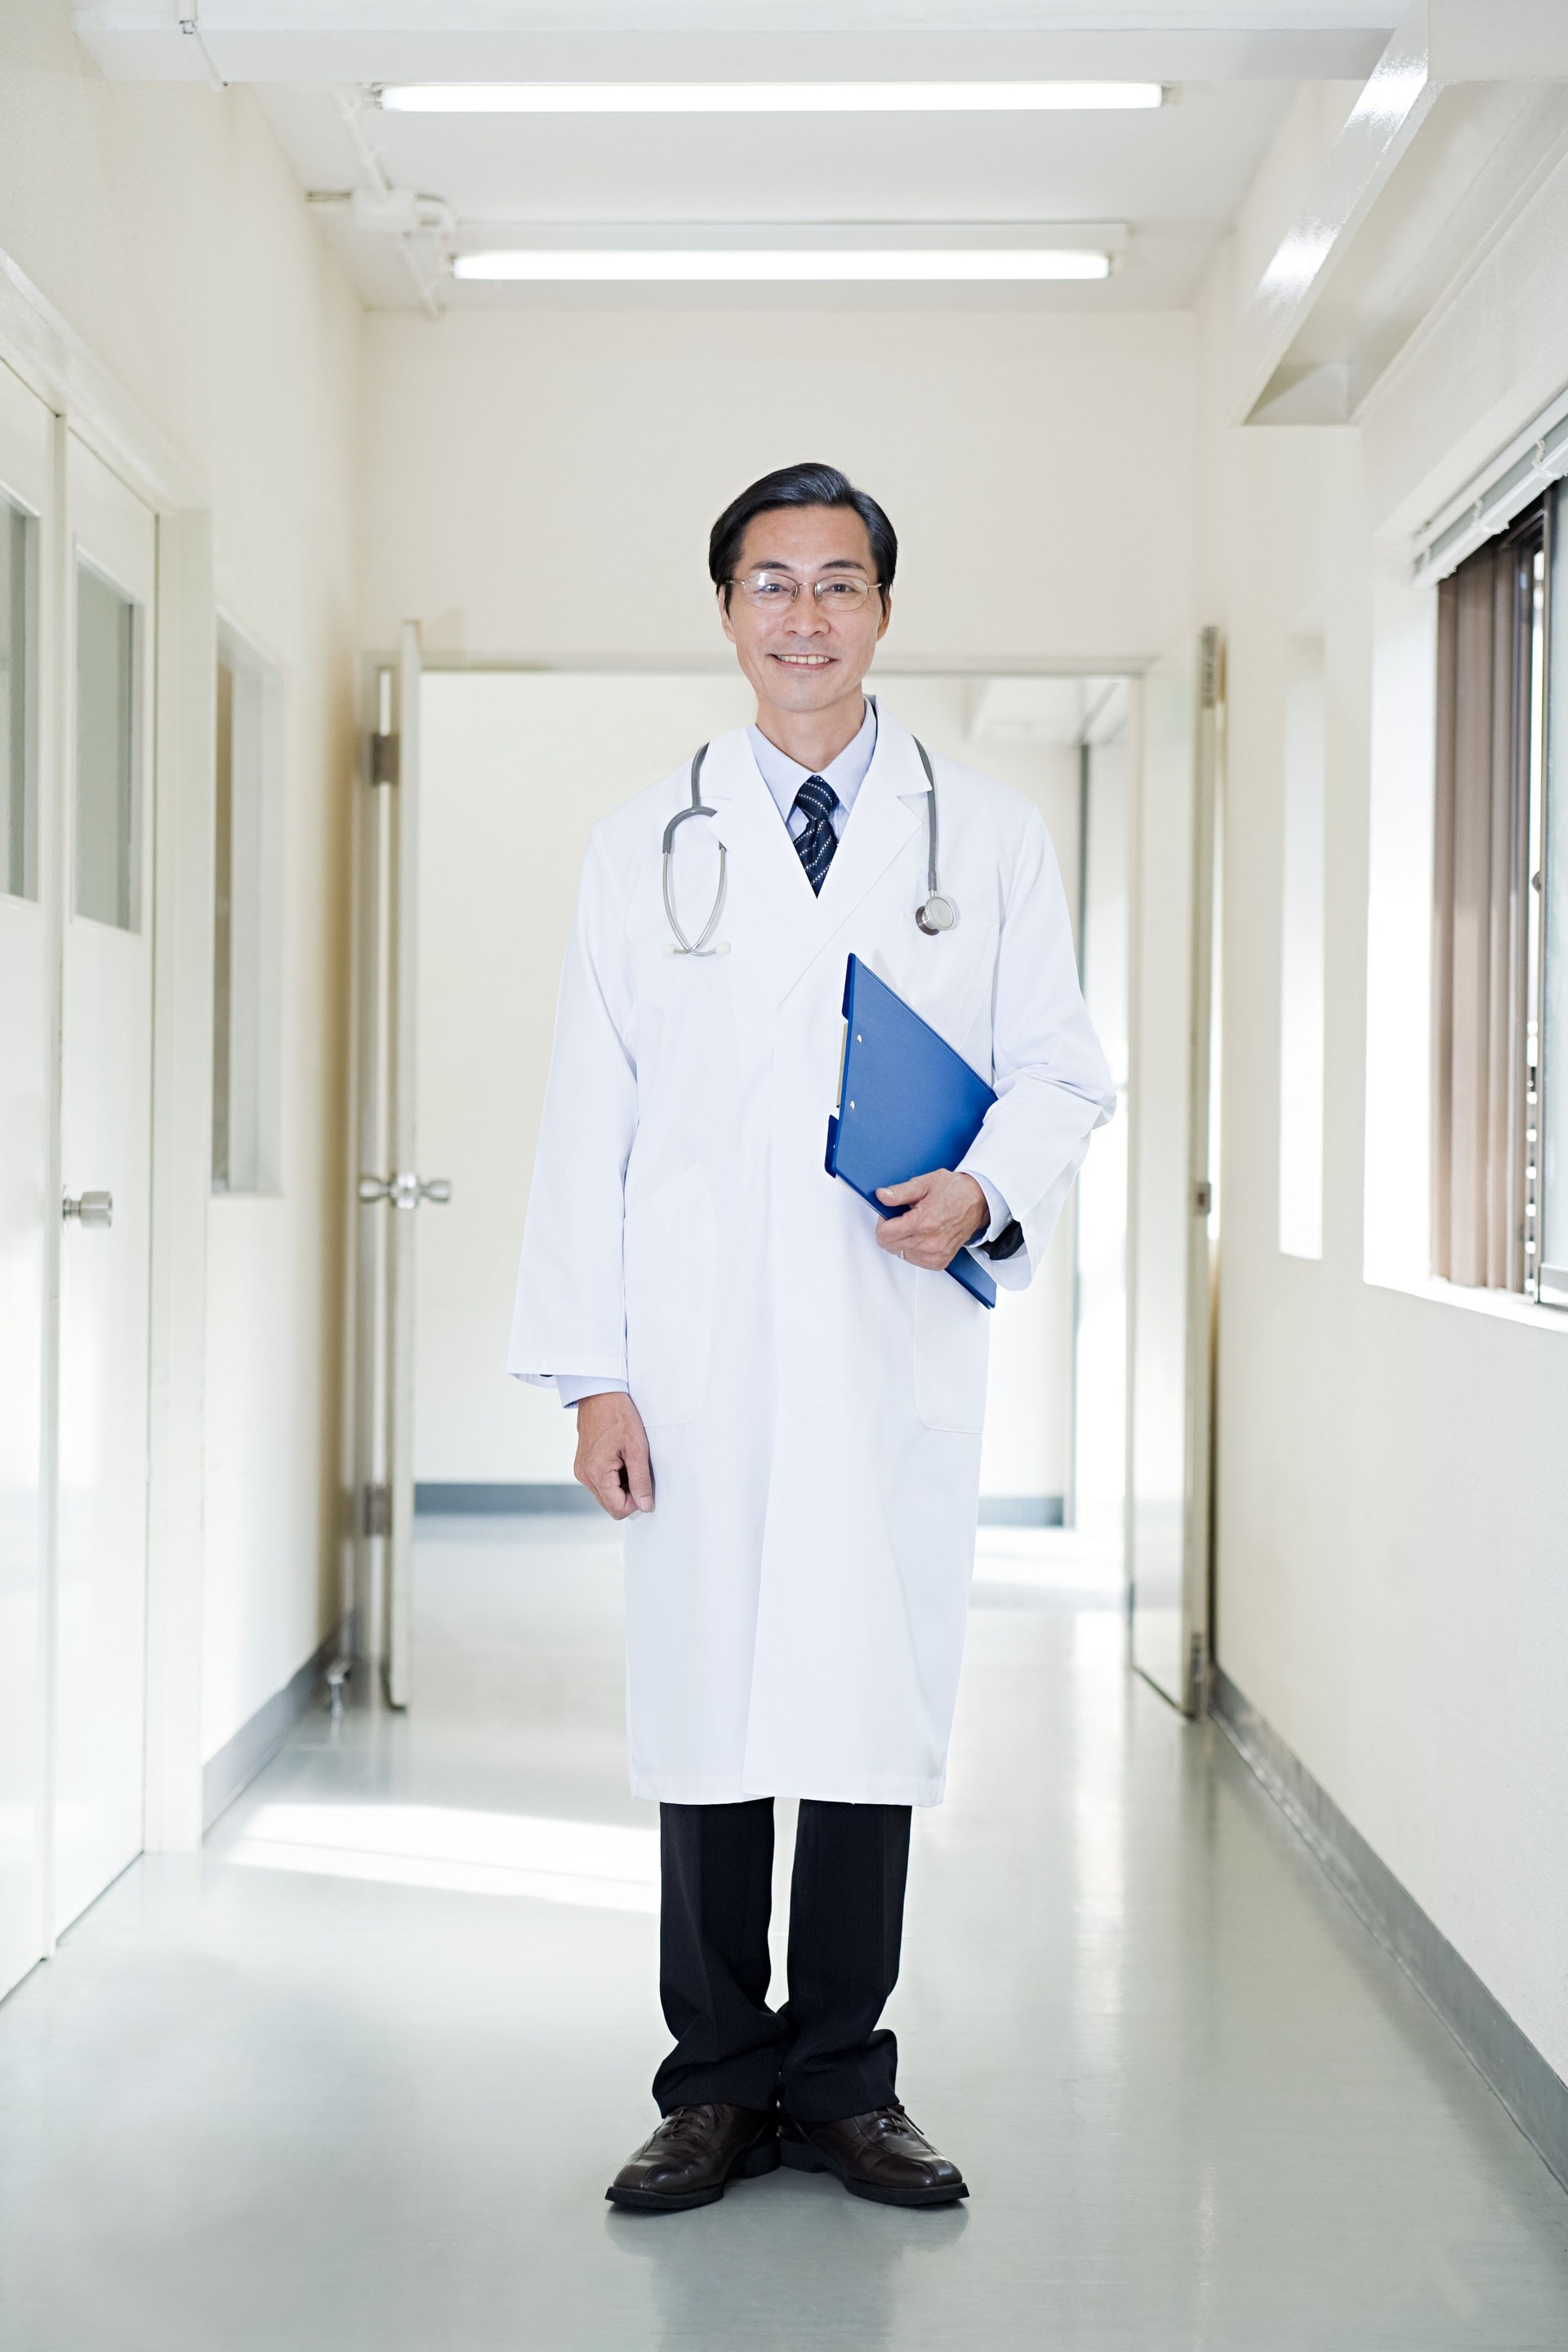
column 840, row 591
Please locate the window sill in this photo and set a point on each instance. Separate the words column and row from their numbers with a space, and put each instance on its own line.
column 1502, row 1306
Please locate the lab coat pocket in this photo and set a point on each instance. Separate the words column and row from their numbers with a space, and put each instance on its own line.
column 952, row 1340
column 670, row 1245
column 948, row 980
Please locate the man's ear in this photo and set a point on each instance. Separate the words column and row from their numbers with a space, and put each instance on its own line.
column 722, row 593
column 887, row 595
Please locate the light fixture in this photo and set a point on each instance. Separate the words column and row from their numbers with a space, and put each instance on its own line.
column 768, row 96
column 989, row 265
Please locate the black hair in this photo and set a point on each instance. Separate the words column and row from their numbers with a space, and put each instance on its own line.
column 800, row 486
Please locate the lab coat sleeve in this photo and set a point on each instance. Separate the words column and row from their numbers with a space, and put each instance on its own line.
column 569, row 1315
column 1053, row 1088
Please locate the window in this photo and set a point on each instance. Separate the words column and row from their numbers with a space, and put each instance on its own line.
column 108, row 734
column 1301, row 945
column 18, row 705
column 1550, row 1201
column 246, row 918
column 1489, row 880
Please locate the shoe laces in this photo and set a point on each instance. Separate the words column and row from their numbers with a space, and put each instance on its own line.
column 894, row 2118
column 681, row 2122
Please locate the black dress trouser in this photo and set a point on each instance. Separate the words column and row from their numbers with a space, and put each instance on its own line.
column 822, row 2054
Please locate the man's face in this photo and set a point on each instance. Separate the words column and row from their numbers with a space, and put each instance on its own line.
column 806, row 653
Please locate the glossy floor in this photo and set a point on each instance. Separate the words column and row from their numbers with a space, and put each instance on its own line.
column 356, row 2077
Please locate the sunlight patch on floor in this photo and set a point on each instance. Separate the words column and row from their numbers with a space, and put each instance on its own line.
column 1066, row 1561
column 454, row 1852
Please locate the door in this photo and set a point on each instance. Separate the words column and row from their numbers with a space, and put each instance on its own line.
column 26, row 507
column 106, row 1072
column 390, row 1188
column 1170, row 1201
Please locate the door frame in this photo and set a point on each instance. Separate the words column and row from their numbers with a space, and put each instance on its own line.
column 84, row 399
column 1187, row 1685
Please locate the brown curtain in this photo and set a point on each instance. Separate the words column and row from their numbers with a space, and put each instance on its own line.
column 1480, row 931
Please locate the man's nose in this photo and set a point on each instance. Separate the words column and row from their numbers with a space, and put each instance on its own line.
column 806, row 618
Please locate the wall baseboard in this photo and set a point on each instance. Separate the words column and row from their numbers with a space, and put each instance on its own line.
column 468, row 1498
column 1534, row 2094
column 1021, row 1511
column 257, row 1742
column 471, row 1498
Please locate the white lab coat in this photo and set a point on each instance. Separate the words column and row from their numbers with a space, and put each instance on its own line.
column 796, row 1600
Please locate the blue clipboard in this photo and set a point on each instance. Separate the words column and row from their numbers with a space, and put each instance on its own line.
column 907, row 1103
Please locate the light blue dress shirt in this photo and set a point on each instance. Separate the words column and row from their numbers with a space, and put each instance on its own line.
column 783, row 778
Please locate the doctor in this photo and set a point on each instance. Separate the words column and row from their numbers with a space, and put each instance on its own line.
column 780, row 1393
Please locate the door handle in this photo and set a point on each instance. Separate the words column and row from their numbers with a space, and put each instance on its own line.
column 89, row 1208
column 405, row 1191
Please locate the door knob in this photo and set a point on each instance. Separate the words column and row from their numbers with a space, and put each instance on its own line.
column 89, row 1208
column 405, row 1191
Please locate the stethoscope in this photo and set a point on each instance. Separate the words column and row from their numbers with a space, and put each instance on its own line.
column 936, row 914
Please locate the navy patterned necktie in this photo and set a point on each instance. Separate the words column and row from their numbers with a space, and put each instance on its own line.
column 816, row 801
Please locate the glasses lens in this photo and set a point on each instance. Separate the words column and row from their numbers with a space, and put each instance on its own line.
column 768, row 588
column 843, row 595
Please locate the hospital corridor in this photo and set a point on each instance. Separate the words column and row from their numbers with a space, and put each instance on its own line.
column 350, row 2129
column 784, row 1176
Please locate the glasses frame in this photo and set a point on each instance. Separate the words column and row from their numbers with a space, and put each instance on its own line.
column 830, row 580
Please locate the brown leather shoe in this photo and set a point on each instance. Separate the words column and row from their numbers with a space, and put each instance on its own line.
column 693, row 2156
column 882, row 2156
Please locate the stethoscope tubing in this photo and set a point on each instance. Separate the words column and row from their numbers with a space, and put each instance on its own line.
column 935, row 915
column 700, row 945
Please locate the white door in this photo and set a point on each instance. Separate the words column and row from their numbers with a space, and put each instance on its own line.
column 1171, row 1207
column 391, row 1188
column 26, row 879
column 105, row 1168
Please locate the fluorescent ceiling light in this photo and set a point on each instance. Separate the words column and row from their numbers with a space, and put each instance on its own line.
column 768, row 96
column 591, row 266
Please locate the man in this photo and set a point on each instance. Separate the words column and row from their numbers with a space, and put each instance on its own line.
column 779, row 1392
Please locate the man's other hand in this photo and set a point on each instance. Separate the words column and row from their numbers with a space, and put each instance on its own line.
column 612, row 1459
column 940, row 1214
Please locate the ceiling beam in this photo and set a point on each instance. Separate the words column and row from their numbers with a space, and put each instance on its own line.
column 1295, row 359
column 337, row 41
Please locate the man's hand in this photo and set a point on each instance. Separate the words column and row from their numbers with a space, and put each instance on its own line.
column 942, row 1212
column 612, row 1459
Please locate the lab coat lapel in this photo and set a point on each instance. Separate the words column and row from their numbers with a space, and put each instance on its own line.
column 748, row 822
column 887, row 814
column 889, row 809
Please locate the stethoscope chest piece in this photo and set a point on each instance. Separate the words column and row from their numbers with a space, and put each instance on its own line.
column 937, row 913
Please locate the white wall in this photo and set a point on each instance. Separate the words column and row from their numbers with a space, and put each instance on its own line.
column 1393, row 1581
column 539, row 488
column 517, row 766
column 165, row 226
column 541, row 484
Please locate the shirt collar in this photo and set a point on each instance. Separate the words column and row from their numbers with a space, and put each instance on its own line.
column 784, row 776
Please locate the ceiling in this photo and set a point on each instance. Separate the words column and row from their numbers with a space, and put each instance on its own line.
column 1164, row 182
column 1174, row 177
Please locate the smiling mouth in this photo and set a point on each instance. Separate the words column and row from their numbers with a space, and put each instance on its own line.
column 806, row 661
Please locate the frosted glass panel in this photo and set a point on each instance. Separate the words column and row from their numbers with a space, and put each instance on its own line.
column 247, row 924
column 18, row 691
column 106, row 779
